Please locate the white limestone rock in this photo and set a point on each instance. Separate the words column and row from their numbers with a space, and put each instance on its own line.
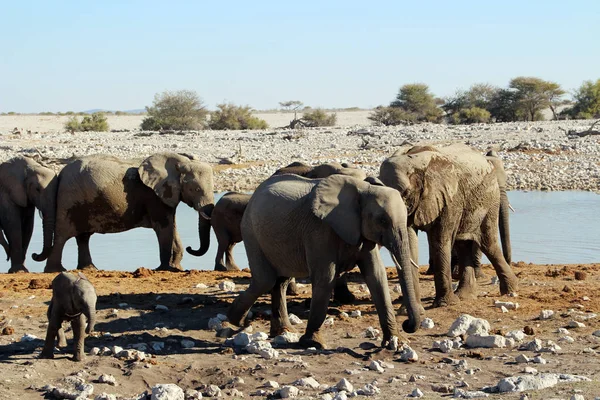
column 167, row 391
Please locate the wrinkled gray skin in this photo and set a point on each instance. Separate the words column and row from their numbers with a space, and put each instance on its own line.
column 225, row 219
column 452, row 194
column 73, row 299
column 24, row 186
column 104, row 194
column 298, row 227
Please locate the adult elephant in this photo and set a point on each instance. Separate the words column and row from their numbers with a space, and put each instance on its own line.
column 319, row 228
column 24, row 186
column 321, row 170
column 451, row 193
column 105, row 194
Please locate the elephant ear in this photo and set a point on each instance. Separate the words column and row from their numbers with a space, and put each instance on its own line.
column 335, row 200
column 160, row 172
column 438, row 187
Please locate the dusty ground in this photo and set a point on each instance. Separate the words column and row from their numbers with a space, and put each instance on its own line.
column 24, row 299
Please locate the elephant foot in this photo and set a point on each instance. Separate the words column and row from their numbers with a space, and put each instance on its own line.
column 508, row 286
column 343, row 295
column 466, row 293
column 220, row 268
column 312, row 340
column 445, row 301
column 77, row 357
column 53, row 269
column 292, row 289
column 279, row 329
column 17, row 269
column 87, row 267
column 233, row 267
column 480, row 275
column 403, row 311
column 48, row 355
column 170, row 268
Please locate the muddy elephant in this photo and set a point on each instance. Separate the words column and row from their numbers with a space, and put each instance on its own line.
column 73, row 299
column 319, row 228
column 451, row 193
column 321, row 170
column 104, row 194
column 24, row 186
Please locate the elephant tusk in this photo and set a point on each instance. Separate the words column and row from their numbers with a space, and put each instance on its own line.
column 206, row 217
column 398, row 266
column 511, row 208
column 414, row 263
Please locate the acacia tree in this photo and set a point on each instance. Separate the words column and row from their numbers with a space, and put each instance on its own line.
column 535, row 94
column 415, row 98
column 587, row 100
column 290, row 105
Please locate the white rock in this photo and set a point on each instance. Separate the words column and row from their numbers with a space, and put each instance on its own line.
column 562, row 331
column 417, row 393
column 192, row 394
column 518, row 335
column 94, row 351
column 294, row 320
column 546, row 314
column 490, row 341
column 397, row 289
column 201, row 286
column 344, row 385
column 105, row 396
column 167, row 391
column 368, row 390
column 576, row 324
column 464, row 394
column 287, row 337
column 28, row 337
column 235, row 393
column 328, row 322
column 271, row 385
column 109, row 379
column 376, row 366
column 213, row 391
column 536, row 382
column 522, row 359
column 227, row 286
column 157, row 346
column 242, row 339
column 427, row 323
column 530, row 370
column 408, row 354
column 187, row 344
column 307, row 382
column 509, row 305
column 341, row 396
column 355, row 314
column 466, row 324
column 263, row 349
column 585, row 298
column 160, row 307
column 116, row 349
column 326, row 396
column 344, row 315
column 535, row 345
column 444, row 345
column 503, row 309
column 539, row 360
column 372, row 333
column 288, row 391
column 363, row 288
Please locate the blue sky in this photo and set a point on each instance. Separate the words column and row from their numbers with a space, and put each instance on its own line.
column 78, row 55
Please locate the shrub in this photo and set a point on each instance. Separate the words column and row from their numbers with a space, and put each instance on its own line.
column 230, row 116
column 151, row 124
column 587, row 101
column 416, row 99
column 391, row 116
column 180, row 110
column 318, row 117
column 473, row 115
column 90, row 123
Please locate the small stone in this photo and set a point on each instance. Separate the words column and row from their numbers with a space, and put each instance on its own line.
column 466, row 324
column 187, row 344
column 530, row 370
column 562, row 331
column 596, row 333
column 585, row 298
column 372, row 333
column 567, row 339
column 235, row 393
column 294, row 320
column 546, row 314
column 160, row 307
column 535, row 345
column 464, row 394
column 368, row 390
column 539, row 360
column 417, row 393
column 518, row 335
column 490, row 341
column 444, row 345
column 577, row 397
column 522, row 359
column 242, row 339
column 345, row 385
column 157, row 346
column 116, row 349
column 503, row 309
column 443, row 388
column 215, row 324
column 363, row 288
column 94, row 351
column 167, row 391
column 191, row 394
column 328, row 322
column 288, row 391
column 213, row 391
column 408, row 354
column 105, row 396
column 287, row 337
column 201, row 286
column 427, row 323
column 341, row 396
column 108, row 379
column 263, row 349
column 356, row 314
column 227, row 286
column 271, row 385
column 580, row 275
column 576, row 324
column 509, row 305
column 376, row 366
column 397, row 289
column 344, row 315
column 307, row 382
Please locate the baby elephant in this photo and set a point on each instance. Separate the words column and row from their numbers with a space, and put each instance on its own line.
column 73, row 297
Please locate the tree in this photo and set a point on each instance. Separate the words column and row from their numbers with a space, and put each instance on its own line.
column 290, row 105
column 391, row 116
column 318, row 117
column 535, row 94
column 230, row 116
column 504, row 106
column 467, row 106
column 416, row 99
column 587, row 101
column 179, row 110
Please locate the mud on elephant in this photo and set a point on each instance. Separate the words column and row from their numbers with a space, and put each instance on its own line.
column 452, row 193
column 297, row 227
column 104, row 194
column 24, row 186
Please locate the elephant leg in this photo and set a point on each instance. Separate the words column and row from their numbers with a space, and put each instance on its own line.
column 292, row 288
column 14, row 235
column 440, row 253
column 341, row 292
column 222, row 240
column 54, row 262
column 264, row 277
column 466, row 251
column 177, row 255
column 372, row 268
column 54, row 326
column 508, row 280
column 477, row 254
column 229, row 260
column 165, row 234
column 84, row 257
column 78, row 326
column 280, row 322
column 62, row 339
column 27, row 228
column 323, row 281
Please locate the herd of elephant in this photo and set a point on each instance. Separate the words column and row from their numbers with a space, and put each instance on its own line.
column 304, row 221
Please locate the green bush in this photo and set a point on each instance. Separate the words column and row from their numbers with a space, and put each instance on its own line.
column 90, row 123
column 318, row 117
column 416, row 99
column 230, row 116
column 587, row 101
column 180, row 110
column 151, row 124
column 391, row 116
column 471, row 115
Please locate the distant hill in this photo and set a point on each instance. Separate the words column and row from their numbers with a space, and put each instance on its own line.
column 95, row 110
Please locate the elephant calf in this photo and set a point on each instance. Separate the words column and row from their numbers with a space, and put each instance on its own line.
column 74, row 300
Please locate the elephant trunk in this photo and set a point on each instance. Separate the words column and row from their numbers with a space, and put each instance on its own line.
column 504, row 226
column 203, row 231
column 48, row 223
column 90, row 313
column 401, row 252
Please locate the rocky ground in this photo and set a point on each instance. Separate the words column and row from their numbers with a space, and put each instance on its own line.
column 158, row 328
column 538, row 156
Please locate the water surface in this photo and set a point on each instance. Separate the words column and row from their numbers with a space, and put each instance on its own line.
column 547, row 228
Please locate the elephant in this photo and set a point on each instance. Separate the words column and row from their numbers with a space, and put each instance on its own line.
column 24, row 186
column 319, row 228
column 321, row 170
column 73, row 299
column 452, row 193
column 104, row 194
